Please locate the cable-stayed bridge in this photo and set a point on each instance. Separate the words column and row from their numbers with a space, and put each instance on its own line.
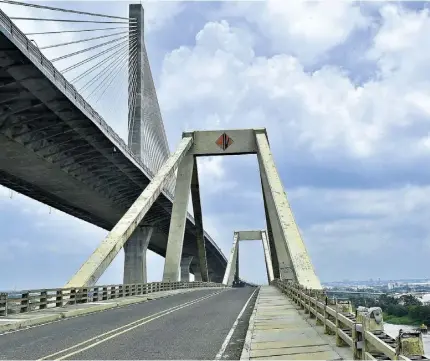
column 56, row 148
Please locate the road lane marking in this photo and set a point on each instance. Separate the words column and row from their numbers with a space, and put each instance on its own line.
column 230, row 334
column 123, row 329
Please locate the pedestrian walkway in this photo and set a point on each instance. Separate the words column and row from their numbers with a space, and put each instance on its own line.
column 278, row 330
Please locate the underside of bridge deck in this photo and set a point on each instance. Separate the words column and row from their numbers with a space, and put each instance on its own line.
column 55, row 152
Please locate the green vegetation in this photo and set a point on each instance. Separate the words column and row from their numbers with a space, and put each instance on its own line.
column 405, row 310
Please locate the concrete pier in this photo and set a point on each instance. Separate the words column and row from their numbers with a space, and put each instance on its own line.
column 135, row 255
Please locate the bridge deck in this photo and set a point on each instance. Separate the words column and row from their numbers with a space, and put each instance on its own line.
column 278, row 330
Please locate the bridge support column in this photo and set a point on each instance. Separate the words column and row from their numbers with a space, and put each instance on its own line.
column 267, row 256
column 286, row 234
column 135, row 255
column 175, row 239
column 232, row 269
column 197, row 274
column 198, row 220
column 285, row 266
column 185, row 268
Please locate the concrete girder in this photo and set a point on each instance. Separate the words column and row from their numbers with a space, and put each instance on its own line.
column 41, row 127
column 94, row 267
column 8, row 96
column 61, row 154
column 7, row 82
column 6, row 119
column 78, row 163
column 29, row 189
column 24, row 119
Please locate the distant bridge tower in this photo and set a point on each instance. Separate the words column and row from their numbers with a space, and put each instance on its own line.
column 146, row 137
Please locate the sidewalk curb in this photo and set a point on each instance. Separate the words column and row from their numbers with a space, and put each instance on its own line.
column 246, row 351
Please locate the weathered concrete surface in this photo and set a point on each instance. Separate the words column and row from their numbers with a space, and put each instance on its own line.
column 277, row 330
column 23, row 320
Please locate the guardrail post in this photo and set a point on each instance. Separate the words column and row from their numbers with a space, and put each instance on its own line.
column 24, row 307
column 72, row 299
column 311, row 305
column 320, row 298
column 104, row 294
column 305, row 300
column 113, row 292
column 43, row 300
column 355, row 351
column 3, row 304
column 94, row 294
column 339, row 341
column 59, row 298
column 326, row 328
column 85, row 295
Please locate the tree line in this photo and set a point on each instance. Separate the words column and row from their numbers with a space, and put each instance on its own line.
column 408, row 307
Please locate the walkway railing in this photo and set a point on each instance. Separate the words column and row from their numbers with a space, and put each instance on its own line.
column 31, row 300
column 363, row 330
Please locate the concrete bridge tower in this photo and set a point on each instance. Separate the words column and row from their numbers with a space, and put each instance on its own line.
column 146, row 136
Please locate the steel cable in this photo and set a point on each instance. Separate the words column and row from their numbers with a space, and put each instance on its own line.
column 74, row 66
column 112, row 75
column 95, row 66
column 79, row 31
column 87, row 49
column 11, row 2
column 94, row 78
column 70, row 21
column 83, row 40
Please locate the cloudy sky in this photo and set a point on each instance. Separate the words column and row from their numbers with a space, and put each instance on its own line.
column 343, row 89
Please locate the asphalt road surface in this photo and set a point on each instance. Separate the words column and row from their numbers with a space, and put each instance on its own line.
column 188, row 326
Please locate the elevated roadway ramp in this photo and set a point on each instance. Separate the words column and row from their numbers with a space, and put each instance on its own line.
column 279, row 331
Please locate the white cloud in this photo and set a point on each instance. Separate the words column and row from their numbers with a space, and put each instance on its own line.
column 303, row 28
column 366, row 226
column 322, row 111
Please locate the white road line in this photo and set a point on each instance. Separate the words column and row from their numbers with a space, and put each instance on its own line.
column 227, row 339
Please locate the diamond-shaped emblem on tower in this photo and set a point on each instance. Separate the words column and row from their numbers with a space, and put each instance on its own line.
column 224, row 141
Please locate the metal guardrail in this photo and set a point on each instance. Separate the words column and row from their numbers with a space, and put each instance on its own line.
column 32, row 300
column 357, row 331
column 48, row 69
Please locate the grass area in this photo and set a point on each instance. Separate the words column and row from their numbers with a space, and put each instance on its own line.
column 404, row 320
